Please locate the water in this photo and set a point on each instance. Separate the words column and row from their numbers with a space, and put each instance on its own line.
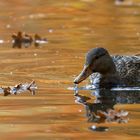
column 71, row 28
column 92, row 87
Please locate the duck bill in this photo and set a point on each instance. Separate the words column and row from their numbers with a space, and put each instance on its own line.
column 83, row 75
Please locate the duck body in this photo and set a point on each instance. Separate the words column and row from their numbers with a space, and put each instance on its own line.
column 107, row 71
column 128, row 68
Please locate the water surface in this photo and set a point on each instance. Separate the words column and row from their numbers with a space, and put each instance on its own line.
column 72, row 28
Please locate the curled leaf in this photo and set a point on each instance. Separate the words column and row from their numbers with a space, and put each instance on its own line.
column 20, row 88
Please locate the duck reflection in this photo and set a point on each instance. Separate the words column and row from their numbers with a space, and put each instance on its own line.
column 102, row 108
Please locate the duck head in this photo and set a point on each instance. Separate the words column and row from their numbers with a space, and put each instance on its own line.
column 97, row 60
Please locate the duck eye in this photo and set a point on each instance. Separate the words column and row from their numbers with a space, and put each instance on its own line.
column 96, row 57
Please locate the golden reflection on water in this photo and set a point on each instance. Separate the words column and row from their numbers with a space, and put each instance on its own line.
column 72, row 28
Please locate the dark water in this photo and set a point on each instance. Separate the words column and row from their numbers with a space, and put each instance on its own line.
column 72, row 28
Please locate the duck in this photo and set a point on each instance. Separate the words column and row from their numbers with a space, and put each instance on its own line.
column 106, row 71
